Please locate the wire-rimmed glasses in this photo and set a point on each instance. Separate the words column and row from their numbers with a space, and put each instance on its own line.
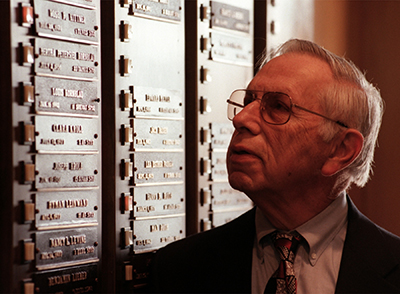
column 275, row 107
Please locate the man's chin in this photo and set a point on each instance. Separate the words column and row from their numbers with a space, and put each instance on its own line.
column 240, row 181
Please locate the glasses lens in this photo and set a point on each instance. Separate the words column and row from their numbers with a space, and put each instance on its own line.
column 275, row 107
column 236, row 102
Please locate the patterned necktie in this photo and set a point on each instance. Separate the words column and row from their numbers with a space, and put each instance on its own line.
column 283, row 280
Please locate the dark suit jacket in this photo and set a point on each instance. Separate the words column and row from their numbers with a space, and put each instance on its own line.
column 219, row 260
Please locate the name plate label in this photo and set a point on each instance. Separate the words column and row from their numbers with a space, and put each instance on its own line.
column 221, row 218
column 156, row 233
column 65, row 247
column 66, row 134
column 66, row 96
column 67, row 171
column 230, row 17
column 91, row 4
column 158, row 134
column 159, row 9
column 66, row 22
column 142, row 268
column 82, row 279
column 158, row 167
column 232, row 49
column 66, row 59
column 156, row 102
column 226, row 198
column 68, row 208
column 221, row 135
column 219, row 170
column 158, row 200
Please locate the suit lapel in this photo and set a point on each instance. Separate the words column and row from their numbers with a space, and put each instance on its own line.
column 363, row 268
column 239, row 252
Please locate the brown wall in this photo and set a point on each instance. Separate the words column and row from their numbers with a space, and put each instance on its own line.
column 368, row 33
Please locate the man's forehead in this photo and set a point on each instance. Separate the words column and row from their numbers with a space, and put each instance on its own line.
column 292, row 72
column 297, row 63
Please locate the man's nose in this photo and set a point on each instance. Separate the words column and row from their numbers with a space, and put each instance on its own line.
column 248, row 119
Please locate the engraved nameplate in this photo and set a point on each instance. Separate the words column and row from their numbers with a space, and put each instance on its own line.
column 156, row 233
column 56, row 58
column 66, row 96
column 158, row 134
column 225, row 198
column 90, row 4
column 230, row 17
column 141, row 268
column 65, row 247
column 66, row 22
column 221, row 135
column 82, row 279
column 157, row 102
column 66, row 134
column 232, row 49
column 151, row 167
column 220, row 218
column 158, row 200
column 219, row 171
column 67, row 171
column 68, row 208
column 158, row 9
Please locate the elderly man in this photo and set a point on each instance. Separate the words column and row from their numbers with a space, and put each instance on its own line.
column 305, row 130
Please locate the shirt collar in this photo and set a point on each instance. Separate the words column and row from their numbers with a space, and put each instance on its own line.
column 318, row 232
column 263, row 228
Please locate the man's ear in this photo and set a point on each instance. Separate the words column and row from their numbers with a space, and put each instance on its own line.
column 345, row 150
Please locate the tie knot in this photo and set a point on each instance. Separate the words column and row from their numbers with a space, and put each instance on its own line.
column 286, row 245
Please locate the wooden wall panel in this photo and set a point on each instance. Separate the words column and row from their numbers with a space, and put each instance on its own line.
column 367, row 32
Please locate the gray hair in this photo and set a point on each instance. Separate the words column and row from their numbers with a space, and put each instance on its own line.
column 352, row 100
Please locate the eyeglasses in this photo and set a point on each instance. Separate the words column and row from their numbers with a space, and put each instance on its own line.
column 275, row 107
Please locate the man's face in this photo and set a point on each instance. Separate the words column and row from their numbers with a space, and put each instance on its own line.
column 279, row 159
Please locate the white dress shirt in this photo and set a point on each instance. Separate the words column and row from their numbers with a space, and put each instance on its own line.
column 318, row 257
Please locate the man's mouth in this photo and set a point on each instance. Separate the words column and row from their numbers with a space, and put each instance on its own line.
column 240, row 152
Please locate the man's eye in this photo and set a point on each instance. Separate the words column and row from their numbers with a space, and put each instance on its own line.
column 279, row 105
column 276, row 101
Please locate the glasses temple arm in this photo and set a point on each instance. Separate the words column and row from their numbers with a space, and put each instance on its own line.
column 321, row 115
column 234, row 103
